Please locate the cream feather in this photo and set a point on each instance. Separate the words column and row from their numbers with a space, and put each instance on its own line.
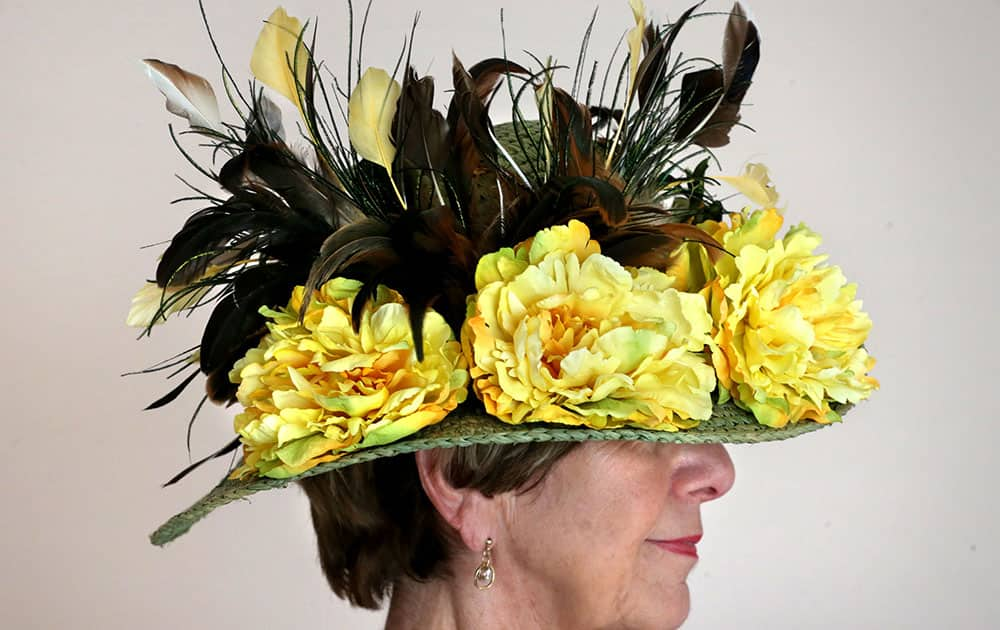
column 635, row 35
column 370, row 111
column 634, row 39
column 188, row 95
column 755, row 184
column 280, row 59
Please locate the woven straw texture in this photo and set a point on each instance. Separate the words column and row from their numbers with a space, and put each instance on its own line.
column 469, row 425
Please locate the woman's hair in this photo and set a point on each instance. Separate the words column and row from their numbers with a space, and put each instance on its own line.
column 374, row 523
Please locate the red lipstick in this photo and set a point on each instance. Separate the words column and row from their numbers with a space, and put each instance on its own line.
column 684, row 546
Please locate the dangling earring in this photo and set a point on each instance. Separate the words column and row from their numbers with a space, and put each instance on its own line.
column 484, row 572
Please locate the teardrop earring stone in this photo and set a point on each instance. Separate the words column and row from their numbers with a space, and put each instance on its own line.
column 484, row 577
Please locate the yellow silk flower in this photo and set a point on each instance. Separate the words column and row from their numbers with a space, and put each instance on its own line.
column 316, row 390
column 560, row 333
column 788, row 330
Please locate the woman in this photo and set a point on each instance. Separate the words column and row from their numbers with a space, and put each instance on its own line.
column 501, row 359
column 584, row 535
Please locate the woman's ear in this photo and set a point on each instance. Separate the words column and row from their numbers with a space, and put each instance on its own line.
column 475, row 517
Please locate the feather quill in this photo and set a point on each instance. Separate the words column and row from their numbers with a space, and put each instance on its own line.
column 188, row 95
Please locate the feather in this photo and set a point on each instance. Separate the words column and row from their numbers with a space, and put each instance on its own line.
column 651, row 74
column 235, row 325
column 370, row 113
column 634, row 39
column 474, row 169
column 282, row 173
column 373, row 247
column 486, row 75
column 228, row 448
column 267, row 115
column 468, row 113
column 422, row 137
column 755, row 184
column 652, row 246
column 422, row 130
column 172, row 394
column 377, row 251
column 740, row 53
column 188, row 95
column 592, row 200
column 652, row 63
column 699, row 97
column 710, row 99
column 574, row 149
column 280, row 59
column 208, row 235
column 543, row 98
column 604, row 117
column 359, row 251
column 152, row 304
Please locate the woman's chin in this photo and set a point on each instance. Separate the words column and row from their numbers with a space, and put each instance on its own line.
column 671, row 608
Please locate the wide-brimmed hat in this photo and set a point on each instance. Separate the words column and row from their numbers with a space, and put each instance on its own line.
column 399, row 279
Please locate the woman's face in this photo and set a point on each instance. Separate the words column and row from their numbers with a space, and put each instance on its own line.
column 594, row 533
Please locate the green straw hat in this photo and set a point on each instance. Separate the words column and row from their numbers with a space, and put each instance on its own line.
column 455, row 282
column 464, row 427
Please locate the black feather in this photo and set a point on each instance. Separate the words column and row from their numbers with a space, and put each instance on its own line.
column 172, row 394
column 228, row 448
column 235, row 325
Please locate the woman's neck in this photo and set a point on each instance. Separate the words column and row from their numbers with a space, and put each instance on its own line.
column 454, row 604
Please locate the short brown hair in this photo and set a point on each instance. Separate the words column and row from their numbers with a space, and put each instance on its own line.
column 374, row 523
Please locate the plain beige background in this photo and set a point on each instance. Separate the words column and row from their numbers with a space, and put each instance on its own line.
column 878, row 120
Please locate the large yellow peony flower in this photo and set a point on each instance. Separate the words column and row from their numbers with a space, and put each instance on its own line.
column 314, row 391
column 789, row 331
column 560, row 333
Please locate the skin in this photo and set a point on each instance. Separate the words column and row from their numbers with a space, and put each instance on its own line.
column 576, row 551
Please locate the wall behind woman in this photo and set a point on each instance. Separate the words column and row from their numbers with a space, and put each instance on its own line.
column 877, row 120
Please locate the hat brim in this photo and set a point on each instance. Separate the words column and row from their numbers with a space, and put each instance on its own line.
column 467, row 425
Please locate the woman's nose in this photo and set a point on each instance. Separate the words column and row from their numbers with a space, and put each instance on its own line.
column 705, row 473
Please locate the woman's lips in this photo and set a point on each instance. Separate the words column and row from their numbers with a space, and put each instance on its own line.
column 684, row 546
